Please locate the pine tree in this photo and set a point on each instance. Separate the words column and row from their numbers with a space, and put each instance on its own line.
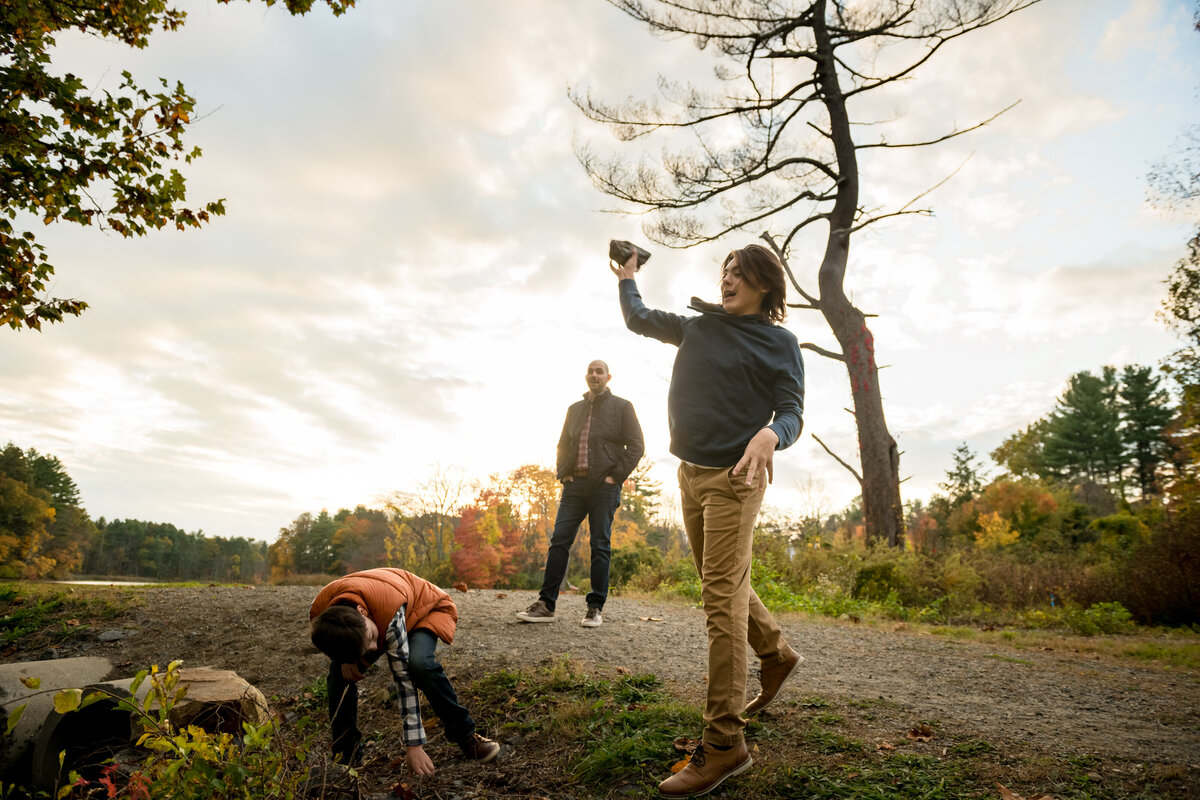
column 1145, row 413
column 963, row 481
column 1083, row 438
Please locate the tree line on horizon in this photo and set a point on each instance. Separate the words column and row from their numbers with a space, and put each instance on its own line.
column 45, row 533
column 1101, row 483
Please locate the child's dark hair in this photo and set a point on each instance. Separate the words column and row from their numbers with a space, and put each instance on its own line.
column 764, row 271
column 340, row 633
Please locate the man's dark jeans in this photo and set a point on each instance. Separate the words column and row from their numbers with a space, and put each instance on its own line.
column 598, row 502
column 428, row 677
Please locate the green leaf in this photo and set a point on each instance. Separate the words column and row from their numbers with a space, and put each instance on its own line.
column 93, row 697
column 67, row 700
column 32, row 683
column 15, row 717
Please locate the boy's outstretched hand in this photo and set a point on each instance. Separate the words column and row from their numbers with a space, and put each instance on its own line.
column 626, row 270
column 418, row 760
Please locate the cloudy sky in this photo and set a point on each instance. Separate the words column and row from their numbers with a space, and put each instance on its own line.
column 412, row 269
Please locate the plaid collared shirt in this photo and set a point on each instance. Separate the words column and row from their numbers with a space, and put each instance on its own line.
column 410, row 705
column 581, row 460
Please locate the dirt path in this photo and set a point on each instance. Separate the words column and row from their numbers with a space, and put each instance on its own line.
column 1054, row 701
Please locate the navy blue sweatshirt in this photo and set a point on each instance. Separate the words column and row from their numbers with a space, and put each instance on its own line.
column 733, row 376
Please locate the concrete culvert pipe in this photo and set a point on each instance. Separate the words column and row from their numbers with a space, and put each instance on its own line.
column 16, row 748
column 87, row 738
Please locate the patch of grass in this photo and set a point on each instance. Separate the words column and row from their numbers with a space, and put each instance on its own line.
column 39, row 615
column 1174, row 648
column 956, row 632
column 615, row 730
column 971, row 747
column 1174, row 654
column 895, row 778
column 827, row 742
column 871, row 702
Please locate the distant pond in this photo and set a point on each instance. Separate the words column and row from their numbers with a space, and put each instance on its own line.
column 110, row 583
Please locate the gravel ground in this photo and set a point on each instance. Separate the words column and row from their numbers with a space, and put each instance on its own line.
column 1057, row 701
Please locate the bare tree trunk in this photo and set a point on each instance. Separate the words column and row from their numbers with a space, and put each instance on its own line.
column 880, row 481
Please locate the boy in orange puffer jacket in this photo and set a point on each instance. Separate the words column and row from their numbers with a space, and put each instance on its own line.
column 364, row 615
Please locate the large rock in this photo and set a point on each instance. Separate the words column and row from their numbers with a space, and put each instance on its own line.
column 218, row 700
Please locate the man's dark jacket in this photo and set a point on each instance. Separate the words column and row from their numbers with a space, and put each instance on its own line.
column 614, row 439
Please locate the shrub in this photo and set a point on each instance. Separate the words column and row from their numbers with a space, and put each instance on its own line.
column 1120, row 531
column 995, row 532
column 1099, row 618
column 875, row 581
column 682, row 580
column 1160, row 577
column 630, row 561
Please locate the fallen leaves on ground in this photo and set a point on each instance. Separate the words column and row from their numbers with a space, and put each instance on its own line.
column 651, row 619
column 885, row 746
column 920, row 733
column 402, row 791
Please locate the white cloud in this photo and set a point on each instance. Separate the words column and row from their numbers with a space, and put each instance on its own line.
column 1140, row 31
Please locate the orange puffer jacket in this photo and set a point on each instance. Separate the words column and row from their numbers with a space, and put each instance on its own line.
column 382, row 591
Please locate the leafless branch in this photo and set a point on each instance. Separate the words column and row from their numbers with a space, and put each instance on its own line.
column 822, row 351
column 839, row 460
column 953, row 134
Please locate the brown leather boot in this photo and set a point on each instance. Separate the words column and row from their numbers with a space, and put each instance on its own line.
column 773, row 678
column 477, row 748
column 706, row 770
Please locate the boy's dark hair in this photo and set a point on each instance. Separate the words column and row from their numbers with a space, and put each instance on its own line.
column 340, row 633
column 764, row 271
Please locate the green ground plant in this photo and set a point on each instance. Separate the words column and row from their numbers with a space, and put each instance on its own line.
column 261, row 761
column 31, row 612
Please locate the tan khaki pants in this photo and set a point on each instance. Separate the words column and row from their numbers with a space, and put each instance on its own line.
column 719, row 511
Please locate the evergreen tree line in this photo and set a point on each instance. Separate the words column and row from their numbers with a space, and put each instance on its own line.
column 1108, row 429
column 46, row 533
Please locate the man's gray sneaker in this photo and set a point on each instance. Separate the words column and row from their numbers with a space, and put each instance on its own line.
column 593, row 618
column 538, row 612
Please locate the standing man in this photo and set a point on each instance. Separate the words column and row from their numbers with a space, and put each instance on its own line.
column 736, row 396
column 600, row 445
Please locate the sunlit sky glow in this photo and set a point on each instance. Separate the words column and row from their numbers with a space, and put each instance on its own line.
column 412, row 270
